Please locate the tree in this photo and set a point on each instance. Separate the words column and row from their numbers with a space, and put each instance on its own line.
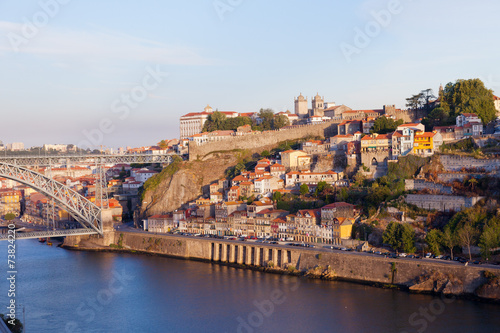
column 280, row 121
column 449, row 239
column 466, row 236
column 215, row 122
column 433, row 240
column 490, row 237
column 383, row 125
column 400, row 237
column 9, row 216
column 391, row 236
column 415, row 101
column 266, row 116
column 163, row 144
column 408, row 238
column 304, row 189
column 469, row 96
column 265, row 153
column 276, row 196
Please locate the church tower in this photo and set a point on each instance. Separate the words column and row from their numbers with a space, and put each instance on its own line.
column 301, row 106
column 318, row 107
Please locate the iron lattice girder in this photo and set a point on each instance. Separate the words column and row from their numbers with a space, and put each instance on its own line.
column 82, row 209
column 50, row 233
column 30, row 161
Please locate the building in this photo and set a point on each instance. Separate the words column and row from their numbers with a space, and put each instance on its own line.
column 402, row 141
column 15, row 146
column 161, row 223
column 471, row 123
column 58, row 147
column 301, row 107
column 192, row 123
column 427, row 143
column 295, row 159
column 10, row 202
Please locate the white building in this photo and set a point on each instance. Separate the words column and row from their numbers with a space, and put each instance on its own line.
column 58, row 147
column 192, row 123
column 15, row 146
column 471, row 123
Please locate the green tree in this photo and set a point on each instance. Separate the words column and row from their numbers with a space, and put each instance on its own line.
column 408, row 238
column 276, row 196
column 392, row 237
column 265, row 153
column 490, row 237
column 400, row 237
column 469, row 96
column 433, row 240
column 280, row 121
column 9, row 216
column 266, row 116
column 449, row 240
column 215, row 122
column 383, row 125
column 304, row 189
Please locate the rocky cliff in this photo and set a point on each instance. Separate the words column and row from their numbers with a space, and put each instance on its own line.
column 183, row 181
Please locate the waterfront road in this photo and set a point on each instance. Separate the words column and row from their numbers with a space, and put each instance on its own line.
column 128, row 227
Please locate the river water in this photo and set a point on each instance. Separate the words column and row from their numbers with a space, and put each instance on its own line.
column 71, row 291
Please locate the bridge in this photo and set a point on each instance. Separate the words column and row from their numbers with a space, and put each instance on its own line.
column 85, row 212
column 32, row 161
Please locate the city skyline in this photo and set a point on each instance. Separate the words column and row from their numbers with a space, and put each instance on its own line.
column 69, row 66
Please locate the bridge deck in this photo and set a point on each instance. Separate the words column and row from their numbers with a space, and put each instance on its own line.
column 51, row 233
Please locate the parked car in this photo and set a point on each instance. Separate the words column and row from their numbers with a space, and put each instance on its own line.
column 403, row 255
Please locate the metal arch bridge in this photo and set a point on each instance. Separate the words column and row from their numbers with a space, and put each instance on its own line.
column 30, row 161
column 80, row 208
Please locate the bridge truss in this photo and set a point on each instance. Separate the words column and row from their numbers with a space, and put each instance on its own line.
column 88, row 214
column 32, row 161
column 83, row 210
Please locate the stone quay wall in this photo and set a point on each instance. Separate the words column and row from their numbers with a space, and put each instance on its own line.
column 350, row 266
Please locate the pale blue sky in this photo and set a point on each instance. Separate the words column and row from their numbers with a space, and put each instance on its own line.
column 69, row 75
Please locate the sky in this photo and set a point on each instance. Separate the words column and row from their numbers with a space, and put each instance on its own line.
column 121, row 72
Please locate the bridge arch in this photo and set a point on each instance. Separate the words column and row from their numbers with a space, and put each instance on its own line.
column 80, row 208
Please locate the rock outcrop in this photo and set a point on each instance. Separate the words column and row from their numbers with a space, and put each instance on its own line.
column 437, row 282
column 490, row 290
column 185, row 183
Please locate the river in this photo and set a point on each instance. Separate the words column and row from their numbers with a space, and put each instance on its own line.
column 73, row 291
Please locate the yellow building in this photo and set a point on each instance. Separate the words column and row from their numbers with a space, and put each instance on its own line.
column 345, row 228
column 426, row 143
column 10, row 202
column 295, row 159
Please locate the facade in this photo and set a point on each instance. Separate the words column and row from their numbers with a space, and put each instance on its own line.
column 295, row 159
column 301, row 107
column 427, row 143
column 471, row 123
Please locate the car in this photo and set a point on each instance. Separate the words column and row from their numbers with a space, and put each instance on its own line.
column 378, row 252
column 403, row 255
column 428, row 255
column 412, row 256
column 343, row 249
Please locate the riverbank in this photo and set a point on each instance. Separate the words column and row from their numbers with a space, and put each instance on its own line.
column 416, row 276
